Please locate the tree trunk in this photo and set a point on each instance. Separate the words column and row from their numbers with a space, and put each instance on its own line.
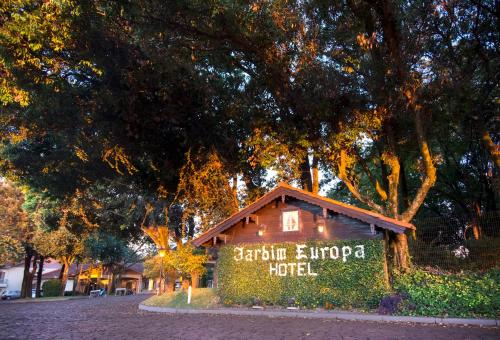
column 493, row 149
column 26, row 273
column 76, row 284
column 64, row 278
column 392, row 162
column 430, row 169
column 383, row 170
column 402, row 252
column 31, row 276
column 62, row 271
column 305, row 175
column 235, row 191
column 118, row 277
column 405, row 196
column 315, row 175
column 111, row 283
column 79, row 281
column 195, row 278
column 39, row 277
column 170, row 284
column 476, row 229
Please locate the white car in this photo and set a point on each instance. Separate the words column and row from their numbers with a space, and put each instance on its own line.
column 11, row 294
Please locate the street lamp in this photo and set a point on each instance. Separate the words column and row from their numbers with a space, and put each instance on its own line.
column 162, row 253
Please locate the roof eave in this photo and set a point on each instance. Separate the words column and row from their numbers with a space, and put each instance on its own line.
column 343, row 209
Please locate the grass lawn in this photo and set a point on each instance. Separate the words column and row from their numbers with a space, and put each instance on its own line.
column 200, row 298
column 48, row 298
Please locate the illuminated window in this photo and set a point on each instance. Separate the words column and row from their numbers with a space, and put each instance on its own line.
column 291, row 220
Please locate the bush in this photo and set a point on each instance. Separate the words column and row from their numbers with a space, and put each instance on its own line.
column 355, row 283
column 460, row 295
column 51, row 288
column 481, row 254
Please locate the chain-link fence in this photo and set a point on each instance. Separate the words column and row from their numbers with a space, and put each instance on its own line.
column 457, row 243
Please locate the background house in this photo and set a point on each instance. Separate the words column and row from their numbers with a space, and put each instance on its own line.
column 11, row 277
column 95, row 276
column 89, row 276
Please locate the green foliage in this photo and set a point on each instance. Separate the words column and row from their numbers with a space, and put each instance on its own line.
column 356, row 283
column 11, row 250
column 482, row 254
column 204, row 190
column 187, row 261
column 51, row 288
column 184, row 260
column 60, row 244
column 15, row 230
column 152, row 265
column 106, row 248
column 91, row 92
column 270, row 152
column 460, row 295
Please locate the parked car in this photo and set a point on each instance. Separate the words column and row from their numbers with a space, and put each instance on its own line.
column 11, row 294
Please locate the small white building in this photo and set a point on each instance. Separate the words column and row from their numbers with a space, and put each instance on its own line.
column 11, row 277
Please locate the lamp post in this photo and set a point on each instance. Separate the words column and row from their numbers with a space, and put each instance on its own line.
column 162, row 253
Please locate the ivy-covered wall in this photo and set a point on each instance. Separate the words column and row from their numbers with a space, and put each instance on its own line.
column 345, row 274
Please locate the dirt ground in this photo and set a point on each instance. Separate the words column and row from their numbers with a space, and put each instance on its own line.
column 119, row 318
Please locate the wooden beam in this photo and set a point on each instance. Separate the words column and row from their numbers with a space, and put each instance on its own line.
column 255, row 218
column 223, row 236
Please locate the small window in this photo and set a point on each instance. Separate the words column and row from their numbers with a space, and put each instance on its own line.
column 291, row 220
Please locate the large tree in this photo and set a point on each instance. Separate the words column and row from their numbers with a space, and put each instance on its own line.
column 106, row 97
column 15, row 228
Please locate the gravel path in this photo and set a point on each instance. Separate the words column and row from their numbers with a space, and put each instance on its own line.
column 119, row 318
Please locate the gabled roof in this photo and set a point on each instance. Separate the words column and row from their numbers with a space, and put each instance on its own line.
column 53, row 274
column 135, row 267
column 363, row 215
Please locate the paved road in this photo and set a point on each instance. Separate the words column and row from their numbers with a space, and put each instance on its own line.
column 119, row 318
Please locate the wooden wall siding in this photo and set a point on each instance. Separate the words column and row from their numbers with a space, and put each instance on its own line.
column 336, row 226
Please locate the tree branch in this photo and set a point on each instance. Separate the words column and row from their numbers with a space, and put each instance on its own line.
column 493, row 149
column 393, row 162
column 351, row 186
column 430, row 169
column 378, row 188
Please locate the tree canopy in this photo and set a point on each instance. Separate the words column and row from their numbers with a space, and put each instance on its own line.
column 134, row 114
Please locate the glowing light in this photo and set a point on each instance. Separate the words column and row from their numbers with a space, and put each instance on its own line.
column 260, row 232
column 321, row 228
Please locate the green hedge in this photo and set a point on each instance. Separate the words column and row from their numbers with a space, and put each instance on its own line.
column 460, row 295
column 51, row 288
column 356, row 283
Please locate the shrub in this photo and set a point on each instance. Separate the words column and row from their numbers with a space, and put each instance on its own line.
column 390, row 305
column 456, row 295
column 51, row 288
column 354, row 283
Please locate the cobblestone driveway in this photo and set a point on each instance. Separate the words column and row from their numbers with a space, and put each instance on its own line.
column 119, row 318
